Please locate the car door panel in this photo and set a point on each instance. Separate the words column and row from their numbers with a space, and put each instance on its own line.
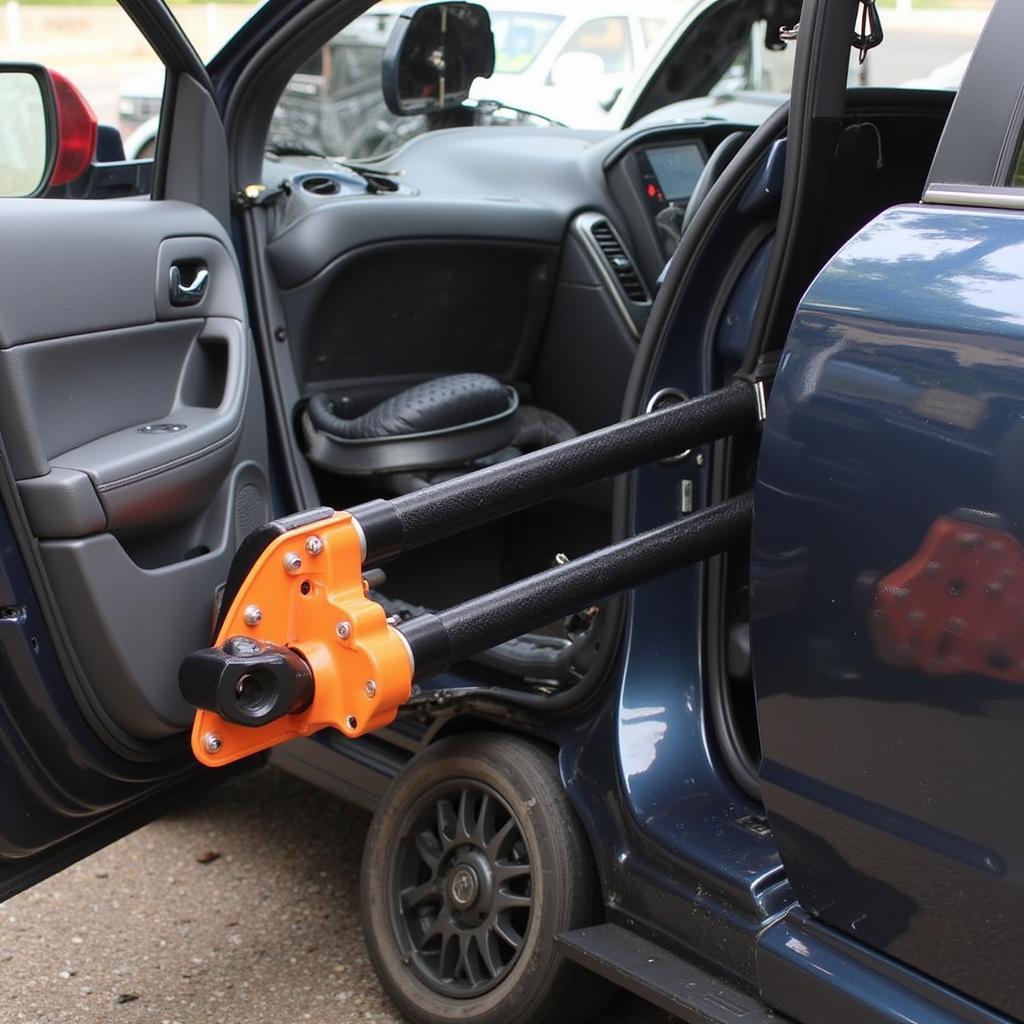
column 134, row 429
column 886, row 596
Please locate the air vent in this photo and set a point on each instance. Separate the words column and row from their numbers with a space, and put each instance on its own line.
column 321, row 185
column 621, row 265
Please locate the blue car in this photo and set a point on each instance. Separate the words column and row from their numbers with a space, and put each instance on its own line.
column 737, row 722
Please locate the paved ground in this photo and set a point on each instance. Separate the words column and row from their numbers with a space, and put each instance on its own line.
column 241, row 910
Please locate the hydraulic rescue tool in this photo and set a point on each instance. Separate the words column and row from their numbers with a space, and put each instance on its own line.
column 299, row 645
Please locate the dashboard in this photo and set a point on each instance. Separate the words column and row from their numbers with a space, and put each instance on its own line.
column 508, row 183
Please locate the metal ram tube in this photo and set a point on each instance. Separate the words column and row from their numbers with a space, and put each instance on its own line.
column 438, row 641
column 412, row 520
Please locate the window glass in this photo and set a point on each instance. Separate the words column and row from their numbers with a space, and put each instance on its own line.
column 1018, row 174
column 607, row 38
column 652, row 29
column 99, row 50
column 519, row 38
column 334, row 105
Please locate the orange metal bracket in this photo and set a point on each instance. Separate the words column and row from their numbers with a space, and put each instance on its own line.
column 307, row 592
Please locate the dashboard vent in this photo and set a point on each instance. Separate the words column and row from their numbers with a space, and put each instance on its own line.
column 321, row 185
column 621, row 265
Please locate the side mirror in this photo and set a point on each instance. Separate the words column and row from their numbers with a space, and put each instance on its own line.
column 28, row 130
column 47, row 130
column 577, row 68
column 433, row 56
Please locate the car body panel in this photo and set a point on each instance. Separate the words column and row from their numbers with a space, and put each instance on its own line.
column 894, row 780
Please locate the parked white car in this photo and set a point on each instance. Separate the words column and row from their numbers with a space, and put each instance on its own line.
column 569, row 61
column 564, row 60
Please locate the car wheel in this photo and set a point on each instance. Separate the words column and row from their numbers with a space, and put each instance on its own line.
column 474, row 862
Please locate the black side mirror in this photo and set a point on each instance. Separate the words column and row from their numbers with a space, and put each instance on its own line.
column 28, row 130
column 434, row 54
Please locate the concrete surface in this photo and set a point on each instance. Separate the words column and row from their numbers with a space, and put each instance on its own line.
column 266, row 931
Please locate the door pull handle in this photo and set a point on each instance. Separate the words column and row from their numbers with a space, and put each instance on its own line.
column 192, row 293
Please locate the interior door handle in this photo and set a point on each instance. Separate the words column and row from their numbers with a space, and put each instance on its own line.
column 192, row 293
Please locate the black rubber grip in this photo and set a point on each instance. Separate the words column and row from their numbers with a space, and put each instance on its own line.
column 493, row 618
column 496, row 491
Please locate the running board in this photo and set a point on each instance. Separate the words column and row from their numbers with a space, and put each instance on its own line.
column 671, row 983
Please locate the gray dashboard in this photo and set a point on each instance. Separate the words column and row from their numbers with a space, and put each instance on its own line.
column 498, row 183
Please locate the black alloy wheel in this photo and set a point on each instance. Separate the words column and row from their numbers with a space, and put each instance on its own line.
column 474, row 863
column 463, row 874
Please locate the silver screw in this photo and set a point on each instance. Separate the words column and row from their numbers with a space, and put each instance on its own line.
column 370, row 688
column 292, row 562
column 344, row 630
column 394, row 620
column 211, row 742
column 314, row 546
column 700, row 459
column 252, row 615
column 351, row 722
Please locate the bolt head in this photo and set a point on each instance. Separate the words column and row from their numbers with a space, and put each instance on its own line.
column 314, row 546
column 344, row 630
column 292, row 562
column 212, row 742
column 370, row 688
column 252, row 615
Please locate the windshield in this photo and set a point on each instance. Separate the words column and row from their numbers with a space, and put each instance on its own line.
column 571, row 64
column 519, row 38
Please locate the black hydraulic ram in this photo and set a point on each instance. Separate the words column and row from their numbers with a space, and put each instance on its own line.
column 439, row 640
column 300, row 646
column 413, row 520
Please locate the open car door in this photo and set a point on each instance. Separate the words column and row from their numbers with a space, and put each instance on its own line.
column 133, row 462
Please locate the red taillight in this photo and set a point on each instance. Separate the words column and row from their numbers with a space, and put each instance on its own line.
column 76, row 127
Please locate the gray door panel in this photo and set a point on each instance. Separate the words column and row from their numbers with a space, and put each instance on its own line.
column 131, row 413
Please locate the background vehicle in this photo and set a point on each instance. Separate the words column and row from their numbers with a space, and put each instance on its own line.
column 782, row 783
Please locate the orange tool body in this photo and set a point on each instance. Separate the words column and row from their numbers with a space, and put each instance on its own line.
column 306, row 592
column 301, row 647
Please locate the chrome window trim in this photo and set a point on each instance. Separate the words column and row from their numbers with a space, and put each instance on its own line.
column 975, row 195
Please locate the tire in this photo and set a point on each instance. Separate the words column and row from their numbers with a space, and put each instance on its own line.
column 462, row 927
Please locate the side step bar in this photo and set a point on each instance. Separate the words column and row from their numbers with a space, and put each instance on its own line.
column 668, row 981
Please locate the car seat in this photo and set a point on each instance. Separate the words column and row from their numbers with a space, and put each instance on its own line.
column 430, row 432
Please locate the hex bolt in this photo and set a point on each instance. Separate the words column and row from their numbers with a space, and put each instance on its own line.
column 314, row 546
column 352, row 722
column 292, row 562
column 211, row 742
column 252, row 615
column 370, row 688
column 344, row 630
column 394, row 620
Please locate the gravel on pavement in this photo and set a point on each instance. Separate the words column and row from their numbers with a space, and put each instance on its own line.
column 239, row 909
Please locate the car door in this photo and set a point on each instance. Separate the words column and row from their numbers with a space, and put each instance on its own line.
column 133, row 461
column 887, row 569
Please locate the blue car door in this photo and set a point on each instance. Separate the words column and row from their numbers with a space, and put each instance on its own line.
column 888, row 566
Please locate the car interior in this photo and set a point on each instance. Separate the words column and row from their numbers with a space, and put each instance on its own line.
column 479, row 293
column 532, row 258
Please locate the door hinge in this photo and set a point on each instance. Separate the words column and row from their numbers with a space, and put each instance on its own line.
column 260, row 195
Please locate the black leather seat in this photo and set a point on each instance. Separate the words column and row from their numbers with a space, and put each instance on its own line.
column 433, row 431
